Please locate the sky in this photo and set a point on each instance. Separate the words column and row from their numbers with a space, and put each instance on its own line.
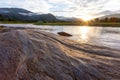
column 67, row 8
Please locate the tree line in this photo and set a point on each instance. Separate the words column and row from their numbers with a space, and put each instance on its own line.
column 106, row 19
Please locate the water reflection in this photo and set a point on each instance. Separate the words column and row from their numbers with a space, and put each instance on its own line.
column 87, row 33
column 82, row 34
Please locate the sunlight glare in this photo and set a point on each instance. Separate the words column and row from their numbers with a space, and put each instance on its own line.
column 86, row 18
column 84, row 33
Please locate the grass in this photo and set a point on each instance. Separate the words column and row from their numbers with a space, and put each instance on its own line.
column 15, row 22
column 104, row 24
column 58, row 23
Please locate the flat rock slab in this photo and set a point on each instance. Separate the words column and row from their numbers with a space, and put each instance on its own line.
column 34, row 55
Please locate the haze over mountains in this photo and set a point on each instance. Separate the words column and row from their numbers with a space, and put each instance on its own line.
column 19, row 14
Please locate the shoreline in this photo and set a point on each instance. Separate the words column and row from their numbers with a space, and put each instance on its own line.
column 97, row 24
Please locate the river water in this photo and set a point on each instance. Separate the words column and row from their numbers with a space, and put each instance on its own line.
column 103, row 36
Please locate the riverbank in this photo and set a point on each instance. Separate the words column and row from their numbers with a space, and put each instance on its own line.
column 30, row 54
column 103, row 24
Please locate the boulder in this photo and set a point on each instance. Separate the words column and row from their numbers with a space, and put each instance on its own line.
column 1, row 27
column 64, row 34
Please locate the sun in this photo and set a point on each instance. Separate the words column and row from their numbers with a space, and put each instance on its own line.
column 87, row 18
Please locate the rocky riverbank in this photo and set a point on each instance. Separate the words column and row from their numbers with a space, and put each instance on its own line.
column 28, row 54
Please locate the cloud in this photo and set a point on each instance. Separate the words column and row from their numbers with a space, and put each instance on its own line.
column 79, row 7
column 37, row 5
column 32, row 5
column 96, row 8
column 68, row 8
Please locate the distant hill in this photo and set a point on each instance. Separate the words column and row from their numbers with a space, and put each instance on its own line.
column 19, row 14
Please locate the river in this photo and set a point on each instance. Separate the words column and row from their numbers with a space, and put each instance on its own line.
column 102, row 36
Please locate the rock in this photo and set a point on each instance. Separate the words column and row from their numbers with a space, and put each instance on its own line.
column 64, row 34
column 1, row 27
column 35, row 55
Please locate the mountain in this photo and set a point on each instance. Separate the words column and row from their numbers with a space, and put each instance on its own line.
column 19, row 14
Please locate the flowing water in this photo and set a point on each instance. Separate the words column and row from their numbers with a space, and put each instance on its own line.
column 103, row 36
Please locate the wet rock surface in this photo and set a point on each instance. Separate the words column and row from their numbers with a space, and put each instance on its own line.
column 35, row 55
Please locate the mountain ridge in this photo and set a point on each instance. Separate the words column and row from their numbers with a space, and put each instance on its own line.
column 20, row 14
